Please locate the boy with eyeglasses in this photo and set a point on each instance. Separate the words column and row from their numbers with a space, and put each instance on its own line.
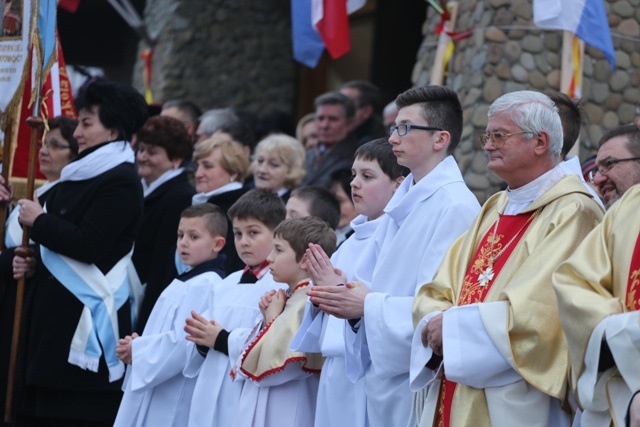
column 429, row 210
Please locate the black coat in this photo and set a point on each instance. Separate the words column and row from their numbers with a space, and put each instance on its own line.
column 337, row 158
column 92, row 221
column 154, row 252
column 224, row 201
column 8, row 287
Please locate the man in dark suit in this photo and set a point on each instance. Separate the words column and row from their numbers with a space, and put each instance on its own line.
column 336, row 148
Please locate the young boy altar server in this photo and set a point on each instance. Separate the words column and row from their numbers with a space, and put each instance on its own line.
column 282, row 385
column 376, row 176
column 233, row 304
column 155, row 391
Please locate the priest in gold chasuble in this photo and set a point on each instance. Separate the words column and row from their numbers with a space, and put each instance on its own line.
column 488, row 349
column 598, row 291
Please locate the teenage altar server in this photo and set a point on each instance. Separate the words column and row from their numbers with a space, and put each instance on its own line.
column 430, row 209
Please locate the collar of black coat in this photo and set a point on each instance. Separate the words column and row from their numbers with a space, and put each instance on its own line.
column 215, row 265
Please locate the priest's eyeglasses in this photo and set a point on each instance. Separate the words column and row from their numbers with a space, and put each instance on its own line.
column 403, row 129
column 605, row 166
column 498, row 139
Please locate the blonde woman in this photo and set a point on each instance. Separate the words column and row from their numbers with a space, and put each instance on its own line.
column 278, row 164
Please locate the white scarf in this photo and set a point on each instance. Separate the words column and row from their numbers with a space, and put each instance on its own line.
column 203, row 197
column 101, row 160
column 167, row 176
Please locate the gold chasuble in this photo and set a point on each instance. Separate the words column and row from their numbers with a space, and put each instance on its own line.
column 602, row 278
column 517, row 269
column 269, row 352
column 492, row 254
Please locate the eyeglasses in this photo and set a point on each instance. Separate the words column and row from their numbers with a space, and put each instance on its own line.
column 403, row 129
column 605, row 166
column 498, row 139
column 54, row 145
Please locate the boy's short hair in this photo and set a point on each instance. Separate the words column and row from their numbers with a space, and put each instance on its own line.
column 323, row 204
column 342, row 178
column 261, row 204
column 381, row 151
column 214, row 218
column 300, row 232
column 440, row 108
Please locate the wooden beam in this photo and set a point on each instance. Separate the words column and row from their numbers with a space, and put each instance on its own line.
column 572, row 53
column 437, row 71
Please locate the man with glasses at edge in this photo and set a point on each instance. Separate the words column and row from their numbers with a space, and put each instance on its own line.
column 428, row 211
column 617, row 163
column 488, row 349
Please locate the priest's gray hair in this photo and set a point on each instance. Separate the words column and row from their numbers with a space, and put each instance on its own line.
column 532, row 112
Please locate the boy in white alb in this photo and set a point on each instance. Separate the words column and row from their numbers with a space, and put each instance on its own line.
column 155, row 390
column 376, row 176
column 233, row 305
column 281, row 386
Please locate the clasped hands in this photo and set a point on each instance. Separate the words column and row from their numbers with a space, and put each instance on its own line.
column 344, row 302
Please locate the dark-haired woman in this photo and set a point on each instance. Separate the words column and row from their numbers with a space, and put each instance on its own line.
column 163, row 145
column 77, row 306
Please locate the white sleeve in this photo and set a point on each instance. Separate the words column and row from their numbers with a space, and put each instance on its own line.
column 308, row 337
column 623, row 337
column 357, row 357
column 389, row 330
column 475, row 345
column 157, row 358
column 622, row 333
column 161, row 356
column 419, row 374
column 194, row 359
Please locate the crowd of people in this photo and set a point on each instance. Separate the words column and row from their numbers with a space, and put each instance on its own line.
column 209, row 269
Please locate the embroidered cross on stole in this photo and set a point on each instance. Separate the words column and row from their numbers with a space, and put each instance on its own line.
column 475, row 289
column 633, row 284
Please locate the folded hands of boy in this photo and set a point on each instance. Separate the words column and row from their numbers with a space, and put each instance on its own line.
column 202, row 331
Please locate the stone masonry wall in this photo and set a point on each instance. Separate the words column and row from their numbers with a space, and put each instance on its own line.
column 220, row 53
column 498, row 60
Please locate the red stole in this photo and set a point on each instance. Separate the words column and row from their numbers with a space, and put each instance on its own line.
column 505, row 237
column 633, row 285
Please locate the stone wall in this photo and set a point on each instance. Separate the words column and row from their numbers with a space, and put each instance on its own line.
column 498, row 60
column 220, row 53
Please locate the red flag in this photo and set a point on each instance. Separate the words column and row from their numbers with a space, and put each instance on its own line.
column 332, row 23
column 57, row 100
column 69, row 5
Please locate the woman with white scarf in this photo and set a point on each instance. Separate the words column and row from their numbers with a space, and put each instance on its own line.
column 77, row 304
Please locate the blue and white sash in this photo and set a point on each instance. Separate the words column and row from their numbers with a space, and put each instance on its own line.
column 102, row 296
